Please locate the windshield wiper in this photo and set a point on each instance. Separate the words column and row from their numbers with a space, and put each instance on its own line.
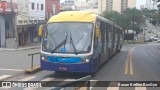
column 71, row 41
column 63, row 42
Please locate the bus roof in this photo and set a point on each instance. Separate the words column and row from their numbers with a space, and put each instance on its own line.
column 71, row 16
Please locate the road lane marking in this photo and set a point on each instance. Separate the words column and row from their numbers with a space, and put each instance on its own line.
column 113, row 88
column 140, row 88
column 93, row 82
column 27, row 78
column 48, row 79
column 129, row 63
column 126, row 67
column 70, row 80
column 3, row 69
column 4, row 76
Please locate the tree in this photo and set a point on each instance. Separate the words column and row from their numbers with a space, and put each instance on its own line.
column 128, row 19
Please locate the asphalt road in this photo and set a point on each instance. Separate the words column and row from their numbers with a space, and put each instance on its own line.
column 133, row 63
column 137, row 62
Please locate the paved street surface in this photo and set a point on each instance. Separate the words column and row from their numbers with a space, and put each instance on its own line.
column 12, row 62
column 134, row 63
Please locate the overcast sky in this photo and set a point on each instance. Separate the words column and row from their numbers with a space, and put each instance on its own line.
column 139, row 2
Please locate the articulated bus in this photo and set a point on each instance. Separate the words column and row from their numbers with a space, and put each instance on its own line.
column 79, row 41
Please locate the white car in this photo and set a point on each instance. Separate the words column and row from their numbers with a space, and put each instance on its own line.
column 155, row 39
column 154, row 35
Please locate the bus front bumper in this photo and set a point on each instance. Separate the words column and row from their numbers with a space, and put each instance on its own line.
column 67, row 67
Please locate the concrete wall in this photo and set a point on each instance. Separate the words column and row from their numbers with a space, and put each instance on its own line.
column 2, row 32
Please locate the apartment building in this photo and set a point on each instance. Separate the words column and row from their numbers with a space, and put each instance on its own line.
column 115, row 5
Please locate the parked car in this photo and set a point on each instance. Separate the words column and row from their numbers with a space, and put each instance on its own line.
column 150, row 40
column 155, row 39
column 155, row 35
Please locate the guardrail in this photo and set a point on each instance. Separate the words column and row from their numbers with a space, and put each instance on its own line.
column 77, row 84
column 32, row 54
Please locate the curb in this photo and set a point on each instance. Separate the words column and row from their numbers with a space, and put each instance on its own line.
column 32, row 71
column 4, row 49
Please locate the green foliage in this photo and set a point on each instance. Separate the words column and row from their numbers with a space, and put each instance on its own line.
column 128, row 19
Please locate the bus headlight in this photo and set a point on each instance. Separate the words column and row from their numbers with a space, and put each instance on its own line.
column 43, row 57
column 85, row 60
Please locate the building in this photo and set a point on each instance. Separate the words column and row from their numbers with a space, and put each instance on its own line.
column 150, row 5
column 148, row 2
column 115, row 5
column 155, row 5
column 8, row 12
column 20, row 20
column 83, row 5
column 30, row 15
column 52, row 8
column 69, row 4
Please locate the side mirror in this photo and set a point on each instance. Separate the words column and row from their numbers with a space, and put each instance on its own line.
column 41, row 30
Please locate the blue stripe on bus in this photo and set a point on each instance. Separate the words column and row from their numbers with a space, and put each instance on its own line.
column 64, row 60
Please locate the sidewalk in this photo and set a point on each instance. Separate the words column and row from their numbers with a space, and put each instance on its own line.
column 21, row 48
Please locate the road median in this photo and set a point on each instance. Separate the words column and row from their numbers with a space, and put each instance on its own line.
column 33, row 70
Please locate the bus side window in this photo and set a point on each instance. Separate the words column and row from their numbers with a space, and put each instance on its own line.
column 103, row 31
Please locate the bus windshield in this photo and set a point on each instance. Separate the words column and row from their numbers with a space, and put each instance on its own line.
column 68, row 37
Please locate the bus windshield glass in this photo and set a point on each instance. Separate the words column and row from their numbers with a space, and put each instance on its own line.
column 68, row 37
